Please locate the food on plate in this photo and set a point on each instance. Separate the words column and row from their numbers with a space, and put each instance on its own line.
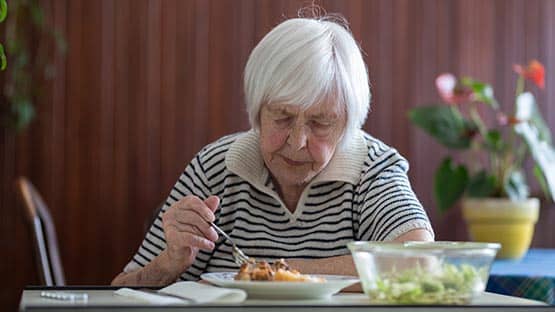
column 279, row 271
column 450, row 285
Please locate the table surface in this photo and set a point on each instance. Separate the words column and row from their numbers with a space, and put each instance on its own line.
column 105, row 299
column 536, row 262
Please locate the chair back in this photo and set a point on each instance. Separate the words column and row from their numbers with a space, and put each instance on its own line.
column 44, row 234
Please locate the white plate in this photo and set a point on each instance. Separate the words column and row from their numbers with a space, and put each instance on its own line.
column 283, row 290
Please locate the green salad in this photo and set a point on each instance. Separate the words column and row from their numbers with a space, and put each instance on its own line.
column 450, row 285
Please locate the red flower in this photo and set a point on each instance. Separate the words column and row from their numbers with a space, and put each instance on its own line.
column 451, row 91
column 535, row 72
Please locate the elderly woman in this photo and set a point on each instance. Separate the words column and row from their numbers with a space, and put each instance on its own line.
column 301, row 184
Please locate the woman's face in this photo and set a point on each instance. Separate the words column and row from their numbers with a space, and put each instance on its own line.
column 297, row 144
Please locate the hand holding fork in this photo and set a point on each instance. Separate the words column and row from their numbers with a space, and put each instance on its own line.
column 182, row 223
column 238, row 255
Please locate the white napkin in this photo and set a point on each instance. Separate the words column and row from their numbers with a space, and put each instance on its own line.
column 192, row 292
column 151, row 298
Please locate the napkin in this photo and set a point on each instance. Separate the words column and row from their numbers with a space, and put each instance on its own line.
column 191, row 292
column 147, row 297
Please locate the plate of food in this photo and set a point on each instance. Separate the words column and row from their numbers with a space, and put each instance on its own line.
column 278, row 281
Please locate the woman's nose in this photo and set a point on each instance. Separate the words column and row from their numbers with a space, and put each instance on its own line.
column 297, row 137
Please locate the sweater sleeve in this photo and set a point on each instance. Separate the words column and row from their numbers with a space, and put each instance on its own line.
column 388, row 206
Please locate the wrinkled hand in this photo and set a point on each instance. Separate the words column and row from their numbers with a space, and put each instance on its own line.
column 187, row 230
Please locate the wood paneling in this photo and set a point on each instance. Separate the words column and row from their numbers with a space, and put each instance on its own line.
column 147, row 83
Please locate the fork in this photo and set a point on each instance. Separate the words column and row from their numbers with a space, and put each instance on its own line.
column 238, row 255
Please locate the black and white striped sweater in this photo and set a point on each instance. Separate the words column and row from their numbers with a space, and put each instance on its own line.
column 362, row 194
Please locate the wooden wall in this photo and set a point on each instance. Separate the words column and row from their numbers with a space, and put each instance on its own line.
column 147, row 83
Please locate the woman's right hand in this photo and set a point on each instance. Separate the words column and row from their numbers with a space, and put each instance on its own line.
column 187, row 230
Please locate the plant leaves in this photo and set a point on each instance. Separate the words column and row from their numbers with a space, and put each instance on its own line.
column 444, row 123
column 61, row 42
column 493, row 141
column 24, row 112
column 541, row 180
column 3, row 61
column 3, row 10
column 483, row 92
column 516, row 187
column 37, row 15
column 449, row 183
column 481, row 184
column 27, row 64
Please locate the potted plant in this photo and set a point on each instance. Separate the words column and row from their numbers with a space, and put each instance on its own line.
column 489, row 172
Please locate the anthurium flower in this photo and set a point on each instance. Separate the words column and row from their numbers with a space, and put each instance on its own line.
column 451, row 90
column 534, row 72
column 524, row 106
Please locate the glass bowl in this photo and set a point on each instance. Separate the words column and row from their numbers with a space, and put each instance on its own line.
column 423, row 272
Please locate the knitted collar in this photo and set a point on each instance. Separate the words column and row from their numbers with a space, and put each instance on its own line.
column 245, row 159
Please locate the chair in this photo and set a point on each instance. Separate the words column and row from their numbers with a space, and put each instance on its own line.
column 44, row 234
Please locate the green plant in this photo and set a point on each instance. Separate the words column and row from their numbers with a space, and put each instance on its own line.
column 3, row 14
column 27, row 36
column 494, row 160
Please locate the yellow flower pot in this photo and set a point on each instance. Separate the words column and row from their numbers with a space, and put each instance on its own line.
column 500, row 220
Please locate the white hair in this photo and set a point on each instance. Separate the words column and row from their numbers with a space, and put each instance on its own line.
column 303, row 61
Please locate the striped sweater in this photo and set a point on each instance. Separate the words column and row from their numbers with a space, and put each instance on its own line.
column 362, row 194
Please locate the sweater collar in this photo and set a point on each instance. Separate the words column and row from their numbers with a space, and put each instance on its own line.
column 245, row 159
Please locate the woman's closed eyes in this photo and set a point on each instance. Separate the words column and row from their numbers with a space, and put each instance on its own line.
column 317, row 126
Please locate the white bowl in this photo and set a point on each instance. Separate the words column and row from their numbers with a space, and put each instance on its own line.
column 423, row 272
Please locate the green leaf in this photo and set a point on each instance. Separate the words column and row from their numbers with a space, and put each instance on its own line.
column 3, row 10
column 449, row 183
column 37, row 15
column 483, row 92
column 24, row 112
column 493, row 141
column 516, row 187
column 541, row 180
column 481, row 185
column 3, row 61
column 61, row 42
column 445, row 124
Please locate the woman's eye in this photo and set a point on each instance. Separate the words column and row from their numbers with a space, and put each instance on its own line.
column 283, row 120
column 320, row 128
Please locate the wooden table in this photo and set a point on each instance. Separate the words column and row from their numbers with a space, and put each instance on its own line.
column 104, row 299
